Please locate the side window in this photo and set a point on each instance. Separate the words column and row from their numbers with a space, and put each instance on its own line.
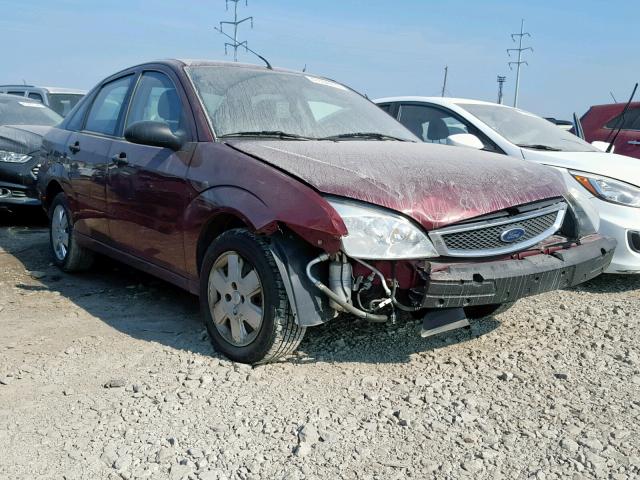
column 631, row 120
column 16, row 92
column 386, row 107
column 430, row 124
column 107, row 107
column 75, row 122
column 434, row 125
column 156, row 100
column 35, row 96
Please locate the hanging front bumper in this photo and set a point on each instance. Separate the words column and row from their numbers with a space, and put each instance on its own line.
column 504, row 281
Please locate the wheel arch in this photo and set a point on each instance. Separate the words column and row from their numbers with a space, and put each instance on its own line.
column 53, row 188
column 216, row 225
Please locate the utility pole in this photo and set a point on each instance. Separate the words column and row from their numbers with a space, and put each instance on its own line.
column 235, row 23
column 501, row 80
column 444, row 83
column 519, row 63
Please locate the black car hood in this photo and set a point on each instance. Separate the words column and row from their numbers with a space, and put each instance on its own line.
column 22, row 138
column 436, row 185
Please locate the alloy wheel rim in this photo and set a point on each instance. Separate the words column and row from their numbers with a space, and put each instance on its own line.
column 235, row 299
column 60, row 232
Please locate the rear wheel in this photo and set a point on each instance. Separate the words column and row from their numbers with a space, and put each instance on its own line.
column 67, row 254
column 243, row 300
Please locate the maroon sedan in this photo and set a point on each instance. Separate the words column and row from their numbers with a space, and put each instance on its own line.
column 602, row 121
column 283, row 199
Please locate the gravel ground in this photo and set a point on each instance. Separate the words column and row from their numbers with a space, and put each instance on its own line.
column 110, row 374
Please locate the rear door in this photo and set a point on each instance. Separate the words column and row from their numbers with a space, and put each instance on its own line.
column 88, row 156
column 147, row 191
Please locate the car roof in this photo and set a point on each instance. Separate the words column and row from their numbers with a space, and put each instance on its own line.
column 187, row 62
column 436, row 100
column 48, row 89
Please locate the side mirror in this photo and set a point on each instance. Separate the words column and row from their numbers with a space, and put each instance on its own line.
column 154, row 134
column 465, row 140
column 602, row 146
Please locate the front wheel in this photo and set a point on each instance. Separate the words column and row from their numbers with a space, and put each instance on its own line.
column 243, row 300
column 67, row 254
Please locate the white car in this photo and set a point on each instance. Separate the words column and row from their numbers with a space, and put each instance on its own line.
column 610, row 181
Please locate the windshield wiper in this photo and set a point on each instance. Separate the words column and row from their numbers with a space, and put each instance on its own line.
column 540, row 147
column 268, row 133
column 372, row 135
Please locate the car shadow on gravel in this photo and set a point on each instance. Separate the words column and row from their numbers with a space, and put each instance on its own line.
column 611, row 283
column 149, row 309
column 124, row 298
column 349, row 339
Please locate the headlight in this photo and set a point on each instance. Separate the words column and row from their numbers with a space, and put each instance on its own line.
column 377, row 234
column 13, row 157
column 609, row 190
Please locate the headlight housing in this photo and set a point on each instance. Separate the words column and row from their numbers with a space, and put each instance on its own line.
column 377, row 234
column 608, row 189
column 583, row 219
column 13, row 157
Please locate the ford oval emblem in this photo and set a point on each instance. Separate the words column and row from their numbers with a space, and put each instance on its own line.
column 512, row 235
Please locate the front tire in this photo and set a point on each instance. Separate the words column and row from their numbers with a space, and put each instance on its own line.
column 243, row 300
column 66, row 253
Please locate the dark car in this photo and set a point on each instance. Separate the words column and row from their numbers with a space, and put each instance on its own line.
column 23, row 123
column 283, row 199
column 602, row 121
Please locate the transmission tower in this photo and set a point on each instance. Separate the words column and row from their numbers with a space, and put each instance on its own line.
column 235, row 24
column 501, row 80
column 520, row 62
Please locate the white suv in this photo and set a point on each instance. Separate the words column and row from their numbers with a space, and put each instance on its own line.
column 61, row 100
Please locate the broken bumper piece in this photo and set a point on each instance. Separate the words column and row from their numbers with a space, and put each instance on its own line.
column 463, row 285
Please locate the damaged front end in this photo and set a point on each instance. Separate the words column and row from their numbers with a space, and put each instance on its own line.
column 471, row 269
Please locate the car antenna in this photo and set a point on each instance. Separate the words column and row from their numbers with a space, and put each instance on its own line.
column 624, row 111
column 613, row 96
column 247, row 49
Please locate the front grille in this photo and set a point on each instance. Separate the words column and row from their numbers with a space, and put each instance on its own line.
column 486, row 238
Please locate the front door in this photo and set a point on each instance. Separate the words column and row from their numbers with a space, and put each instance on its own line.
column 146, row 191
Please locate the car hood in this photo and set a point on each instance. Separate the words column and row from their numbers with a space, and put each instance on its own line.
column 22, row 138
column 609, row 165
column 436, row 185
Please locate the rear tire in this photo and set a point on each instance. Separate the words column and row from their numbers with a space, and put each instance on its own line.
column 243, row 300
column 66, row 253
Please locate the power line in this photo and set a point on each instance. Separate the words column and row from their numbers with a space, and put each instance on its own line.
column 501, row 80
column 520, row 62
column 235, row 23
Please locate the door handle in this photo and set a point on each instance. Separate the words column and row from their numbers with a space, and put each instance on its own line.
column 120, row 160
column 74, row 147
column 633, row 142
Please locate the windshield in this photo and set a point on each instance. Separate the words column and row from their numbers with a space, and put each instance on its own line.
column 62, row 103
column 527, row 130
column 26, row 112
column 288, row 105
